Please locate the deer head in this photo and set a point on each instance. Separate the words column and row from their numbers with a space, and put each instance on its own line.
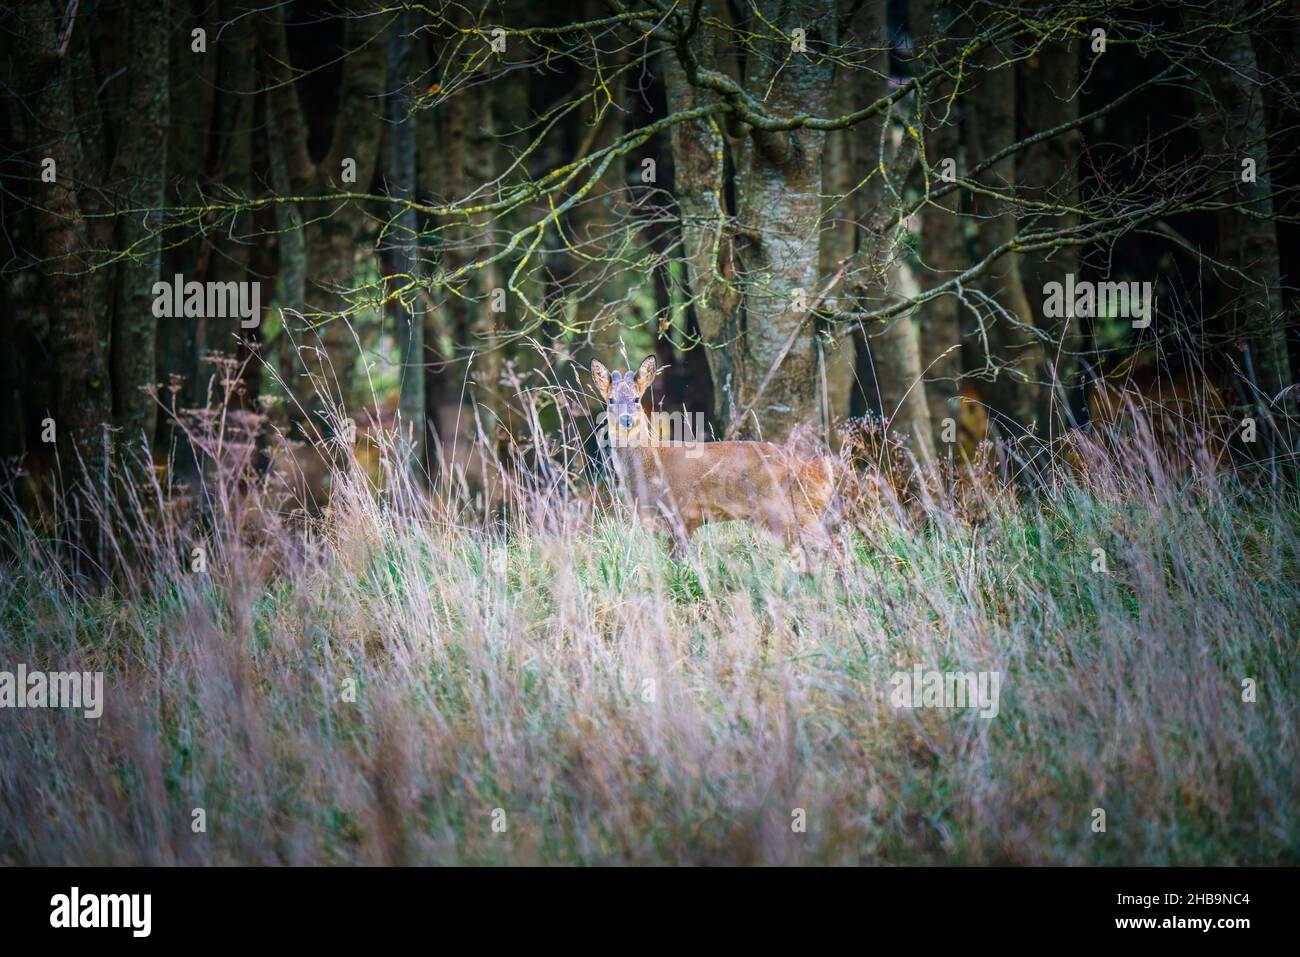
column 621, row 391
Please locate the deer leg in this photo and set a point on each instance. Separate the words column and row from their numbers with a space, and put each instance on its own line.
column 785, row 524
column 812, row 529
column 678, row 539
column 691, row 523
column 680, row 528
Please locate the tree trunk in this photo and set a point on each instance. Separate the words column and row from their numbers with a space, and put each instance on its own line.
column 291, row 271
column 943, row 251
column 699, row 188
column 84, row 389
column 1233, row 129
column 403, row 252
column 233, row 132
column 1016, row 352
column 332, row 230
column 486, row 286
column 895, row 348
column 432, row 170
column 835, row 345
column 141, row 160
column 1048, row 170
column 332, row 242
column 778, row 200
column 177, row 352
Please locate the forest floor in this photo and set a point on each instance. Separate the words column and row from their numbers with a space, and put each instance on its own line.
column 382, row 686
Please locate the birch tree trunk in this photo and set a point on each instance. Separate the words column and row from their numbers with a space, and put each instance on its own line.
column 895, row 347
column 836, row 351
column 778, row 205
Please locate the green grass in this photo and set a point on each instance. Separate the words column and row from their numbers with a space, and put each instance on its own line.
column 522, row 684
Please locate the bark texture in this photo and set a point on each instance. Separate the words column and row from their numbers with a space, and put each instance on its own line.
column 835, row 343
column 402, row 253
column 895, row 347
column 943, row 252
column 333, row 226
column 699, row 188
column 778, row 206
column 141, row 163
column 1016, row 353
column 1232, row 129
column 79, row 347
column 1048, row 171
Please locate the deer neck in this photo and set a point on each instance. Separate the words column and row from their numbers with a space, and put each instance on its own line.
column 636, row 454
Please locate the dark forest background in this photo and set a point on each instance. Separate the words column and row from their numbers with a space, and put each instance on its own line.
column 355, row 580
column 614, row 179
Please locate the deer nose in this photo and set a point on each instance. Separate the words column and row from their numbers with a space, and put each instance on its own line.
column 626, row 420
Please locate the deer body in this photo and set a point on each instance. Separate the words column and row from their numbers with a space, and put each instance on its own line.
column 1175, row 400
column 685, row 484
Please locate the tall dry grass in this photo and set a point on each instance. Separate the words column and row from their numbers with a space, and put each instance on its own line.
column 618, row 706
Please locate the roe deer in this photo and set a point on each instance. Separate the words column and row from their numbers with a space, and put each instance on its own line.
column 688, row 483
column 1162, row 408
column 1177, row 400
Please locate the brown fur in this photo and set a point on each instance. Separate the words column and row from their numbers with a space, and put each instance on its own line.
column 1178, row 405
column 974, row 424
column 686, row 484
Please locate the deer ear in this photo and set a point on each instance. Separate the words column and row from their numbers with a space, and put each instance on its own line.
column 645, row 375
column 600, row 376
